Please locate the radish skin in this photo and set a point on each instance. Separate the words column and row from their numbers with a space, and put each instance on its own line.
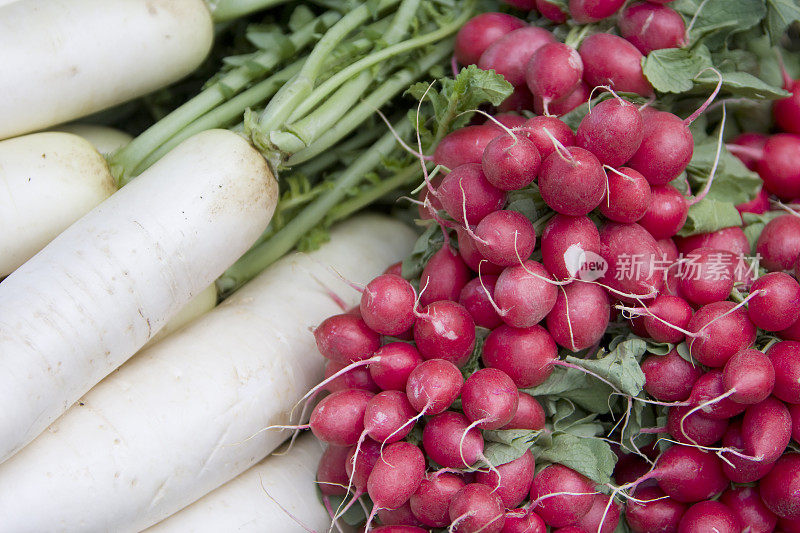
column 71, row 58
column 176, row 422
column 48, row 181
column 197, row 306
column 98, row 292
column 104, row 139
column 244, row 504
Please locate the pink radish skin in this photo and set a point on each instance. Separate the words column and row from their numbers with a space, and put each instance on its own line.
column 442, row 440
column 397, row 361
column 619, row 245
column 717, row 342
column 464, row 145
column 777, row 306
column 746, row 504
column 431, row 501
column 521, row 99
column 511, row 163
column 597, row 515
column 426, row 194
column 386, row 417
column 785, row 358
column 480, row 32
column 387, row 305
column 666, row 148
column 579, row 95
column 477, row 508
column 505, row 237
column 551, row 12
column 766, row 429
column 689, row 475
column 630, row 467
column 332, row 475
column 780, row 489
column 792, row 333
column 780, row 165
column 752, row 140
column 525, row 355
column 509, row 55
column 787, row 110
column 789, row 526
column 794, row 412
column 580, row 316
column 779, row 243
column 707, row 276
column 611, row 60
column 523, row 521
column 509, row 120
column 732, row 240
column 563, row 232
column 433, row 386
column 709, row 516
column 743, row 470
column 356, row 378
column 628, row 196
column 658, row 515
column 553, row 72
column 533, row 129
column 489, row 398
column 697, row 429
column 339, row 418
column 669, row 377
column 612, row 131
column 669, row 251
column 564, row 509
column 751, row 374
column 359, row 469
column 468, row 250
column 584, row 11
column 666, row 213
column 529, row 415
column 443, row 277
column 524, row 294
column 346, row 338
column 672, row 310
column 400, row 517
column 515, row 480
column 475, row 299
column 652, row 27
column 466, row 190
column 708, row 387
column 572, row 183
column 396, row 475
column 445, row 330
column 399, row 529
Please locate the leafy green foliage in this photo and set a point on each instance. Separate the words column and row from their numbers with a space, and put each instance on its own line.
column 427, row 244
column 754, row 225
column 780, row 14
column 733, row 182
column 672, row 70
column 589, row 456
column 620, row 366
column 710, row 215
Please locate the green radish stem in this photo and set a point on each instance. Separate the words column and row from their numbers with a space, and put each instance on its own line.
column 224, row 10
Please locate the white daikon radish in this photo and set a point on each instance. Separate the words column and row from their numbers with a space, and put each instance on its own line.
column 47, row 181
column 197, row 306
column 64, row 59
column 98, row 292
column 104, row 139
column 183, row 417
column 252, row 502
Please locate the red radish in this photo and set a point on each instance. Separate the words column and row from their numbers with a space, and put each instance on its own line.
column 525, row 355
column 598, row 520
column 564, row 240
column 758, row 205
column 709, row 516
column 632, row 255
column 776, row 305
column 464, row 145
column 510, row 54
column 748, row 147
column 580, row 316
column 711, row 387
column 396, row 475
column 467, row 191
column 509, row 120
column 480, row 32
column 611, row 60
column 707, row 275
column 731, row 239
column 525, row 293
column 511, row 163
column 666, row 149
column 653, row 512
column 447, row 441
column 746, row 504
column 669, row 251
column 505, row 237
column 477, row 508
column 400, row 517
column 789, row 526
column 523, row 521
column 521, row 99
column 612, row 131
column 443, row 277
column 432, row 499
column 468, row 250
column 332, row 477
column 780, row 165
column 433, row 386
column 425, row 194
column 530, row 414
column 780, row 489
column 750, row 373
column 766, row 429
column 398, row 529
column 521, row 4
column 346, row 338
column 339, row 418
column 652, row 27
column 514, row 482
column 630, row 467
column 572, row 182
column 551, row 11
column 553, row 72
column 667, row 212
column 687, row 474
column 562, row 509
column 489, row 398
column 387, row 305
column 397, row 360
column 736, row 468
column 628, row 196
column 794, row 412
column 695, row 428
column 579, row 95
column 787, row 110
column 792, row 333
column 534, row 130
column 584, row 11
column 785, row 358
column 356, row 378
column 360, row 466
column 387, row 417
column 720, row 332
column 672, row 310
column 779, row 243
column 669, row 377
column 476, row 298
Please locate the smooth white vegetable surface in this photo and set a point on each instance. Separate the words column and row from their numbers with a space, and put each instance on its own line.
column 197, row 306
column 64, row 59
column 245, row 504
column 100, row 290
column 176, row 421
column 47, row 182
column 104, row 139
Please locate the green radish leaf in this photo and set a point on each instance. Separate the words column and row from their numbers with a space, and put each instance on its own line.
column 733, row 182
column 716, row 20
column 672, row 70
column 506, row 445
column 560, row 381
column 780, row 15
column 473, row 363
column 589, row 456
column 641, row 416
column 755, row 224
column 620, row 367
column 741, row 84
column 659, row 348
column 427, row 244
column 355, row 515
column 710, row 215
